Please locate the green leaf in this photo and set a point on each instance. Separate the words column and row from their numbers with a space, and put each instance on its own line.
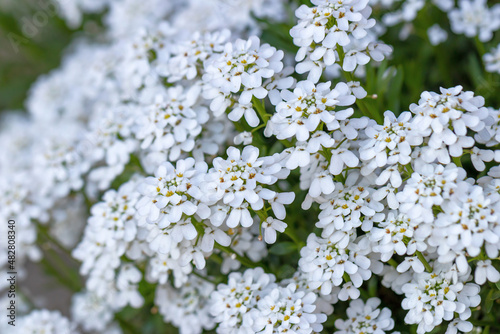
column 285, row 271
column 488, row 305
column 283, row 248
column 395, row 91
column 373, row 286
column 475, row 71
column 496, row 295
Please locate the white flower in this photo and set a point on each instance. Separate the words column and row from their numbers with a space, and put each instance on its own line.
column 412, row 262
column 137, row 14
column 492, row 60
column 238, row 182
column 430, row 185
column 323, row 302
column 485, row 271
column 286, row 309
column 230, row 303
column 446, row 117
column 437, row 35
column 172, row 124
column 466, row 223
column 239, row 110
column 389, row 193
column 317, row 178
column 459, row 325
column 479, row 157
column 173, row 194
column 111, row 142
column 211, row 235
column 395, row 280
column 490, row 135
column 110, row 231
column 407, row 13
column 277, row 83
column 187, row 307
column 189, row 55
column 301, row 112
column 240, row 68
column 365, row 318
column 353, row 58
column 434, row 297
column 341, row 157
column 45, row 321
column 387, row 145
column 474, row 18
column 357, row 90
column 127, row 285
column 244, row 138
column 296, row 156
column 270, row 227
column 395, row 235
column 87, row 305
column 348, row 292
column 325, row 262
column 162, row 266
column 327, row 26
column 347, row 208
column 278, row 201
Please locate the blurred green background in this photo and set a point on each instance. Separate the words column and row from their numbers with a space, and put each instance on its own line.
column 24, row 57
column 417, row 63
column 415, row 66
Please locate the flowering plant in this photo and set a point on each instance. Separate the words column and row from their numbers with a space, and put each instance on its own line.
column 232, row 167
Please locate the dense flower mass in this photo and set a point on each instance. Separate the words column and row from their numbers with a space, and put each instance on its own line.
column 365, row 318
column 230, row 167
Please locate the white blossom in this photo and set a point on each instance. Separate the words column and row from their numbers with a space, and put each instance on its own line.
column 474, row 18
column 365, row 318
column 485, row 271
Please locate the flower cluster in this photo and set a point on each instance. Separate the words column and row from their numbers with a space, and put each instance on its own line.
column 240, row 69
column 434, row 297
column 475, row 18
column 200, row 174
column 335, row 32
column 365, row 318
column 187, row 308
column 252, row 302
column 492, row 60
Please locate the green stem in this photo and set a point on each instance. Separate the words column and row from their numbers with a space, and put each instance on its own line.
column 393, row 263
column 258, row 128
column 125, row 324
column 360, row 103
column 26, row 297
column 136, row 162
column 88, row 202
column 484, row 323
column 45, row 232
column 246, row 262
column 480, row 46
column 262, row 214
column 291, row 234
column 53, row 261
column 286, row 143
column 58, row 270
column 204, row 278
column 260, row 107
column 424, row 261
